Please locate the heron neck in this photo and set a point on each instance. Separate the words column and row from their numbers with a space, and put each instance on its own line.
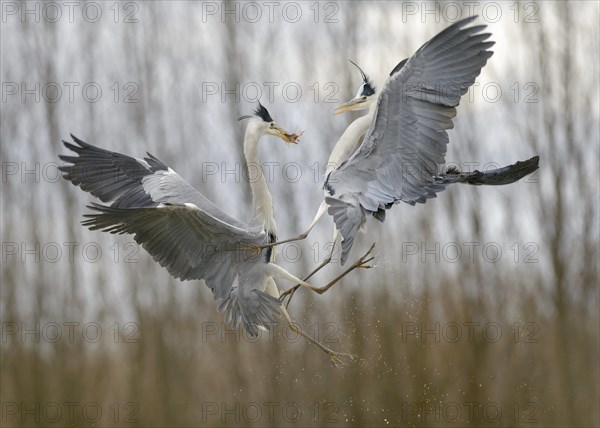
column 349, row 141
column 262, row 202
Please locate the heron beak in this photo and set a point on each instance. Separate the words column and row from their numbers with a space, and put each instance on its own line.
column 288, row 137
column 353, row 104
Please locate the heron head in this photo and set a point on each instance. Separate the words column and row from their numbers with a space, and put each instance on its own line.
column 262, row 120
column 364, row 97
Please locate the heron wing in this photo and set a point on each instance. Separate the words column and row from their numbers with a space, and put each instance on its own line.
column 187, row 241
column 192, row 244
column 405, row 145
column 119, row 179
column 182, row 230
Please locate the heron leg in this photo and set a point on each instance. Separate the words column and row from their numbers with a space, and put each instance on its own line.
column 337, row 358
column 322, row 210
column 336, row 234
column 361, row 263
column 289, row 293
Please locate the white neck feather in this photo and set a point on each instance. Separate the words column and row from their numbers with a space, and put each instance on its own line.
column 262, row 202
column 349, row 141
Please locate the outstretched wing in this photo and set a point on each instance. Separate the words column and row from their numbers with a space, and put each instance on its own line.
column 187, row 241
column 406, row 142
column 182, row 230
column 118, row 178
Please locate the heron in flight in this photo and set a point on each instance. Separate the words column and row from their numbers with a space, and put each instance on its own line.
column 396, row 152
column 186, row 233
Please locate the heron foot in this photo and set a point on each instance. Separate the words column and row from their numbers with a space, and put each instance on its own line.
column 340, row 359
column 337, row 358
column 364, row 260
column 361, row 263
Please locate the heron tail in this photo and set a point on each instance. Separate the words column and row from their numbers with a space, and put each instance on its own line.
column 348, row 218
column 255, row 309
column 494, row 177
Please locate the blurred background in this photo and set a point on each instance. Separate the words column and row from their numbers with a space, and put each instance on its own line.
column 482, row 309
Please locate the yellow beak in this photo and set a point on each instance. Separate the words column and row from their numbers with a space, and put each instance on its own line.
column 288, row 137
column 353, row 104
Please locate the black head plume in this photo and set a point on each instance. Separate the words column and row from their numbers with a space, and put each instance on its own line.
column 368, row 88
column 259, row 111
column 263, row 113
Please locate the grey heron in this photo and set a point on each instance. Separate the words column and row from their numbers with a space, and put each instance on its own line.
column 402, row 155
column 186, row 233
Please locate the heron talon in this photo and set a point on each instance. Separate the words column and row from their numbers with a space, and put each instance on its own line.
column 337, row 358
column 362, row 262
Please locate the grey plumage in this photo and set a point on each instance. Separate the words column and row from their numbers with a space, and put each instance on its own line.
column 182, row 230
column 405, row 145
column 493, row 177
column 398, row 66
column 109, row 176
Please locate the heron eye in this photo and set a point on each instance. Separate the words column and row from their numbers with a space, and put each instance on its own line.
column 272, row 125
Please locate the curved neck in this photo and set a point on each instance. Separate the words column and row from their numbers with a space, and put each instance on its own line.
column 262, row 203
